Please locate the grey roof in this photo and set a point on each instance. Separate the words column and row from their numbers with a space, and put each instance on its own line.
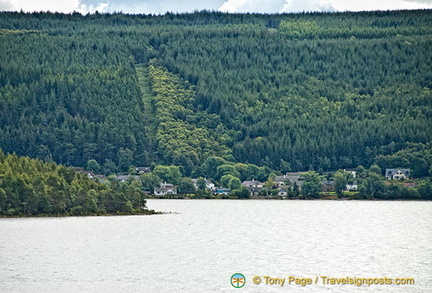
column 253, row 183
column 166, row 190
column 390, row 172
column 295, row 173
column 126, row 177
column 122, row 177
column 166, row 185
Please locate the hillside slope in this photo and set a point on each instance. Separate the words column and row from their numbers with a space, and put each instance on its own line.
column 291, row 92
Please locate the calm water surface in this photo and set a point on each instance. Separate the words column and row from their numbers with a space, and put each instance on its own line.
column 202, row 243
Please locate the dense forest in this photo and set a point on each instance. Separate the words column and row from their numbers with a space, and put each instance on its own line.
column 32, row 187
column 318, row 91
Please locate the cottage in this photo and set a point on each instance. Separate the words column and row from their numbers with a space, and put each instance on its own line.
column 397, row 174
column 142, row 170
column 352, row 186
column 100, row 178
column 166, row 189
column 327, row 186
column 81, row 170
column 280, row 181
column 254, row 186
column 124, row 178
column 352, row 171
column 209, row 185
column 293, row 177
column 282, row 192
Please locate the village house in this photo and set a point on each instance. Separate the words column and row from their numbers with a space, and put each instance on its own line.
column 165, row 189
column 352, row 171
column 282, row 192
column 209, row 185
column 125, row 178
column 279, row 181
column 327, row 186
column 397, row 174
column 254, row 186
column 81, row 170
column 352, row 186
column 142, row 170
column 293, row 177
column 122, row 178
column 100, row 178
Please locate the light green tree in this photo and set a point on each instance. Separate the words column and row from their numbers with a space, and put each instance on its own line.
column 234, row 183
column 341, row 179
column 201, row 184
column 312, row 185
column 150, row 181
column 186, row 186
column 170, row 174
column 93, row 165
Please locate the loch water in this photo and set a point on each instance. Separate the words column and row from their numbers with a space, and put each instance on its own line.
column 197, row 245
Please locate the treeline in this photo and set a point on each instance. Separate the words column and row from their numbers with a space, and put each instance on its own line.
column 371, row 185
column 68, row 100
column 30, row 187
column 288, row 92
column 314, row 103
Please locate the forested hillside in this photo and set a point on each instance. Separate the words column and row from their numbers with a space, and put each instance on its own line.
column 32, row 187
column 290, row 92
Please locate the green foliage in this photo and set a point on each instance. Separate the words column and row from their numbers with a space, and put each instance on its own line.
column 242, row 193
column 372, row 186
column 311, row 186
column 93, row 165
column 170, row 174
column 180, row 138
column 226, row 169
column 150, row 181
column 417, row 157
column 200, row 90
column 231, row 182
column 201, row 184
column 296, row 29
column 186, row 186
column 30, row 187
column 425, row 189
column 234, row 183
column 225, row 180
column 269, row 184
column 375, row 169
column 341, row 179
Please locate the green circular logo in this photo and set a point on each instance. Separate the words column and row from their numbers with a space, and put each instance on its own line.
column 238, row 280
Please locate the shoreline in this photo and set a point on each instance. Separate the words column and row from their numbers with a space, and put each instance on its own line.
column 145, row 213
column 153, row 212
column 292, row 199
